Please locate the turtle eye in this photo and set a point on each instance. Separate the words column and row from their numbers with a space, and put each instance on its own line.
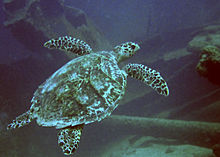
column 133, row 47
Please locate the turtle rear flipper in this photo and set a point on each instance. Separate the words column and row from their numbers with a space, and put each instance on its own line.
column 21, row 120
column 149, row 76
column 69, row 138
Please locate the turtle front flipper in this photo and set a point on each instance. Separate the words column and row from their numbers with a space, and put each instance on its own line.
column 21, row 120
column 69, row 44
column 149, row 76
column 69, row 138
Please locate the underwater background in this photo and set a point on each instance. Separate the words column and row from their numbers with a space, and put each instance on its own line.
column 180, row 39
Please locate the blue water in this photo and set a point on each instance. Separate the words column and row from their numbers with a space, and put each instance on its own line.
column 131, row 18
column 160, row 27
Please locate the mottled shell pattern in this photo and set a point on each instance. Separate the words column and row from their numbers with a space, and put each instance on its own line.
column 84, row 90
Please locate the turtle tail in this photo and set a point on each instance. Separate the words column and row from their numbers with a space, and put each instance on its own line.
column 149, row 76
column 20, row 121
column 69, row 44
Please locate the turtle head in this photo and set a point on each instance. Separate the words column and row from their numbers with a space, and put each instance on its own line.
column 125, row 50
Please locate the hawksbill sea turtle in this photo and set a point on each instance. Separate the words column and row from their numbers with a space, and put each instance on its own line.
column 86, row 89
